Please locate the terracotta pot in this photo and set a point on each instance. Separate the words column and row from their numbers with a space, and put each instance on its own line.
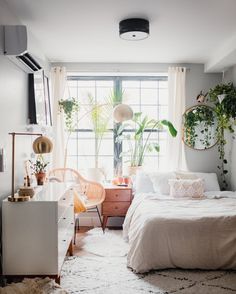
column 40, row 177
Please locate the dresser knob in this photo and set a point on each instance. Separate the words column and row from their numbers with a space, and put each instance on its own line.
column 116, row 207
column 64, row 217
column 63, row 198
column 64, row 240
column 116, row 195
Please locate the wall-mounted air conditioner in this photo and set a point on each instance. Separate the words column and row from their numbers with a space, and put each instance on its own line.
column 16, row 48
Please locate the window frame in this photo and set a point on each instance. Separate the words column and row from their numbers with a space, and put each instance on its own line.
column 117, row 80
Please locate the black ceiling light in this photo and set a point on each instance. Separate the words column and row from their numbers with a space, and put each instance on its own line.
column 134, row 29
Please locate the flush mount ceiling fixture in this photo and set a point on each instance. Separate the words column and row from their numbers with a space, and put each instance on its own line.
column 134, row 29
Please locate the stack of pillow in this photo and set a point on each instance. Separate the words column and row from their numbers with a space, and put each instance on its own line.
column 176, row 184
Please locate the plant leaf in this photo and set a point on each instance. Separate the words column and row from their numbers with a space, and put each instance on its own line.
column 170, row 127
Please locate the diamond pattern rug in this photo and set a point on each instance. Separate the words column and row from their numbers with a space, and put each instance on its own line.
column 92, row 274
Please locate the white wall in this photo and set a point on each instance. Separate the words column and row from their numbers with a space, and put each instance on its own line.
column 13, row 107
column 230, row 76
column 14, row 104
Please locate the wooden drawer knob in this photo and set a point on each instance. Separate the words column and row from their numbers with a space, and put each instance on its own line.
column 116, row 207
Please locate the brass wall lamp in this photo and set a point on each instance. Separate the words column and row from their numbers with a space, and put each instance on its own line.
column 41, row 145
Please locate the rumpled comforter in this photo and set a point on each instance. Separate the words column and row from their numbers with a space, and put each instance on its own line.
column 181, row 233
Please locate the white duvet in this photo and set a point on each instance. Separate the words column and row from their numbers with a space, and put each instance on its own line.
column 168, row 233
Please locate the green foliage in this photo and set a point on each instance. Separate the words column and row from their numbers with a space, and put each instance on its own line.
column 226, row 114
column 70, row 107
column 39, row 166
column 138, row 146
column 100, row 116
column 202, row 117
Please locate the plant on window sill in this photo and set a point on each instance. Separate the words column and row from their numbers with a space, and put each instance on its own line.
column 138, row 146
column 100, row 116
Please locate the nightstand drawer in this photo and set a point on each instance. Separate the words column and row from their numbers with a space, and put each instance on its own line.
column 118, row 195
column 115, row 208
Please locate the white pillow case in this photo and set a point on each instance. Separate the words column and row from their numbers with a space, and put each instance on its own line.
column 186, row 188
column 143, row 183
column 210, row 179
column 160, row 181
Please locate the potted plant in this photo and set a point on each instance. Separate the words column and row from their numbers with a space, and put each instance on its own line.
column 39, row 169
column 138, row 145
column 100, row 115
column 223, row 96
column 69, row 107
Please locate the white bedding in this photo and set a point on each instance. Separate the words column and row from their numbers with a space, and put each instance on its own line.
column 168, row 233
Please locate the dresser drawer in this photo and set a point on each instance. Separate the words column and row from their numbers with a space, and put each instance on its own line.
column 118, row 195
column 115, row 208
column 66, row 220
column 64, row 202
column 63, row 245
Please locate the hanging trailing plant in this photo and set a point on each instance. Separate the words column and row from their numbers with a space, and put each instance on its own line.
column 224, row 98
column 199, row 120
column 70, row 107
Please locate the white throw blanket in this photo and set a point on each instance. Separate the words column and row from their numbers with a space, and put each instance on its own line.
column 166, row 233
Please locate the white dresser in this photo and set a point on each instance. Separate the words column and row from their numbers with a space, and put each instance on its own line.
column 37, row 234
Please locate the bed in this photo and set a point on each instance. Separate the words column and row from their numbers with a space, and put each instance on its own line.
column 181, row 233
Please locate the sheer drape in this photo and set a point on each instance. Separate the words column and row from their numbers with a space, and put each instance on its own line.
column 176, row 102
column 58, row 83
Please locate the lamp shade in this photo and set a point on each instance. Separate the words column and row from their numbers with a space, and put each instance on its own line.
column 42, row 145
column 122, row 112
column 134, row 29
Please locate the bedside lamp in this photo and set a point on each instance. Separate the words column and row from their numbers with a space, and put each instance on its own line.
column 41, row 145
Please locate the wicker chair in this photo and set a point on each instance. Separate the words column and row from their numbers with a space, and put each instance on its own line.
column 93, row 191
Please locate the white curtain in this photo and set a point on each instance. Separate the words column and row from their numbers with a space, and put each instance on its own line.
column 176, row 103
column 58, row 83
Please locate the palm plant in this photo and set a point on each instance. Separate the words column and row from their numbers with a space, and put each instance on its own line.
column 138, row 146
column 100, row 116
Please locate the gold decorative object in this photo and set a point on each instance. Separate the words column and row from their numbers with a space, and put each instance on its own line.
column 40, row 145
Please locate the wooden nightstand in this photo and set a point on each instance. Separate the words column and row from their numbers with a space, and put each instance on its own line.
column 116, row 203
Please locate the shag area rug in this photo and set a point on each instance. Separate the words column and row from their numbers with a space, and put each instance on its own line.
column 33, row 286
column 106, row 272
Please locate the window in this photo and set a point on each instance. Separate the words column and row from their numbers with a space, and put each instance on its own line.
column 144, row 94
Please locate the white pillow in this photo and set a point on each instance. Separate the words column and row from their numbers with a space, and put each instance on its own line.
column 143, row 183
column 210, row 179
column 160, row 181
column 186, row 188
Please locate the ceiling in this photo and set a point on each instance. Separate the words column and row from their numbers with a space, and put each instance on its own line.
column 181, row 31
